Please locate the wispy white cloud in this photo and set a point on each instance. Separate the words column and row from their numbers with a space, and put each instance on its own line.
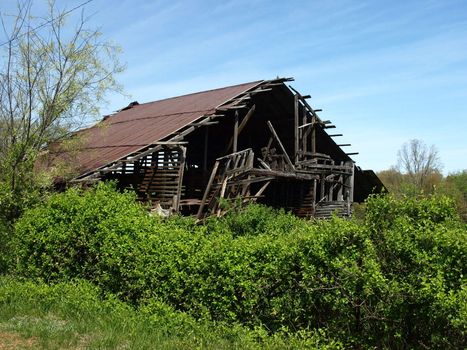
column 378, row 70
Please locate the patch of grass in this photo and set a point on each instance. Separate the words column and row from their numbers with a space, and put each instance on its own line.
column 74, row 315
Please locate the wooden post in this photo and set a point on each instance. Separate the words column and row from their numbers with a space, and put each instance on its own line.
column 340, row 194
column 350, row 186
column 304, row 134
column 222, row 194
column 235, row 135
column 313, row 134
column 242, row 125
column 296, row 128
column 323, row 182
column 352, row 179
column 314, row 195
column 181, row 162
column 205, row 155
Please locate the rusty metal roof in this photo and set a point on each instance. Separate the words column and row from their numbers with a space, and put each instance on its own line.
column 143, row 124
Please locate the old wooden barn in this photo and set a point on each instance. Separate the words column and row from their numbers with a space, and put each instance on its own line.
column 192, row 154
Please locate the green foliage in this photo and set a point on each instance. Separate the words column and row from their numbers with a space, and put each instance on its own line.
column 395, row 279
column 11, row 206
column 455, row 186
column 254, row 220
column 91, row 234
column 384, row 211
column 421, row 247
column 75, row 315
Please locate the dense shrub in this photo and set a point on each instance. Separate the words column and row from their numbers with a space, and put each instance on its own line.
column 75, row 315
column 89, row 234
column 395, row 280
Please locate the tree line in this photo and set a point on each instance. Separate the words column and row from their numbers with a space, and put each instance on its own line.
column 418, row 172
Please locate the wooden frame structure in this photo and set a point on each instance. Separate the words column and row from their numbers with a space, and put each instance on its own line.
column 265, row 144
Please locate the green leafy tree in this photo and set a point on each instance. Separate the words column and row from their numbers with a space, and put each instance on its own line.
column 53, row 77
column 455, row 186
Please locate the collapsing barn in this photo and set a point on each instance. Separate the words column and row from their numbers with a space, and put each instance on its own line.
column 258, row 141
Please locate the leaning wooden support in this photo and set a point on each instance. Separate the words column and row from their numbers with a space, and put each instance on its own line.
column 207, row 190
column 280, row 145
column 261, row 190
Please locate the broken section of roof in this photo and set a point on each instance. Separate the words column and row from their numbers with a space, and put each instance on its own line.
column 258, row 141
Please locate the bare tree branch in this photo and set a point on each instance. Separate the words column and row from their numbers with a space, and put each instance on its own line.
column 418, row 161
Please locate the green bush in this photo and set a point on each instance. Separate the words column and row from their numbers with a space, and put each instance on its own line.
column 394, row 280
column 89, row 234
column 75, row 315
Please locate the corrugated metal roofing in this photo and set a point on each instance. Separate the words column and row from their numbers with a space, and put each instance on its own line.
column 132, row 129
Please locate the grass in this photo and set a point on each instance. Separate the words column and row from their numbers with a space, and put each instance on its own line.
column 73, row 315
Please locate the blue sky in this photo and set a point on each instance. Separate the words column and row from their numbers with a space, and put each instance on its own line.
column 383, row 71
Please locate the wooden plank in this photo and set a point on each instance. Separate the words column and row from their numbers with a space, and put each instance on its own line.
column 208, row 189
column 222, row 194
column 259, row 91
column 335, row 135
column 315, row 181
column 304, row 134
column 315, row 154
column 280, row 144
column 203, row 124
column 340, row 196
column 253, row 180
column 263, row 163
column 232, row 107
column 235, row 133
column 305, row 125
column 323, row 183
column 170, row 143
column 246, row 118
column 262, row 189
column 229, row 156
column 351, row 184
column 282, row 174
column 344, row 144
column 296, row 141
column 177, row 198
column 205, row 151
